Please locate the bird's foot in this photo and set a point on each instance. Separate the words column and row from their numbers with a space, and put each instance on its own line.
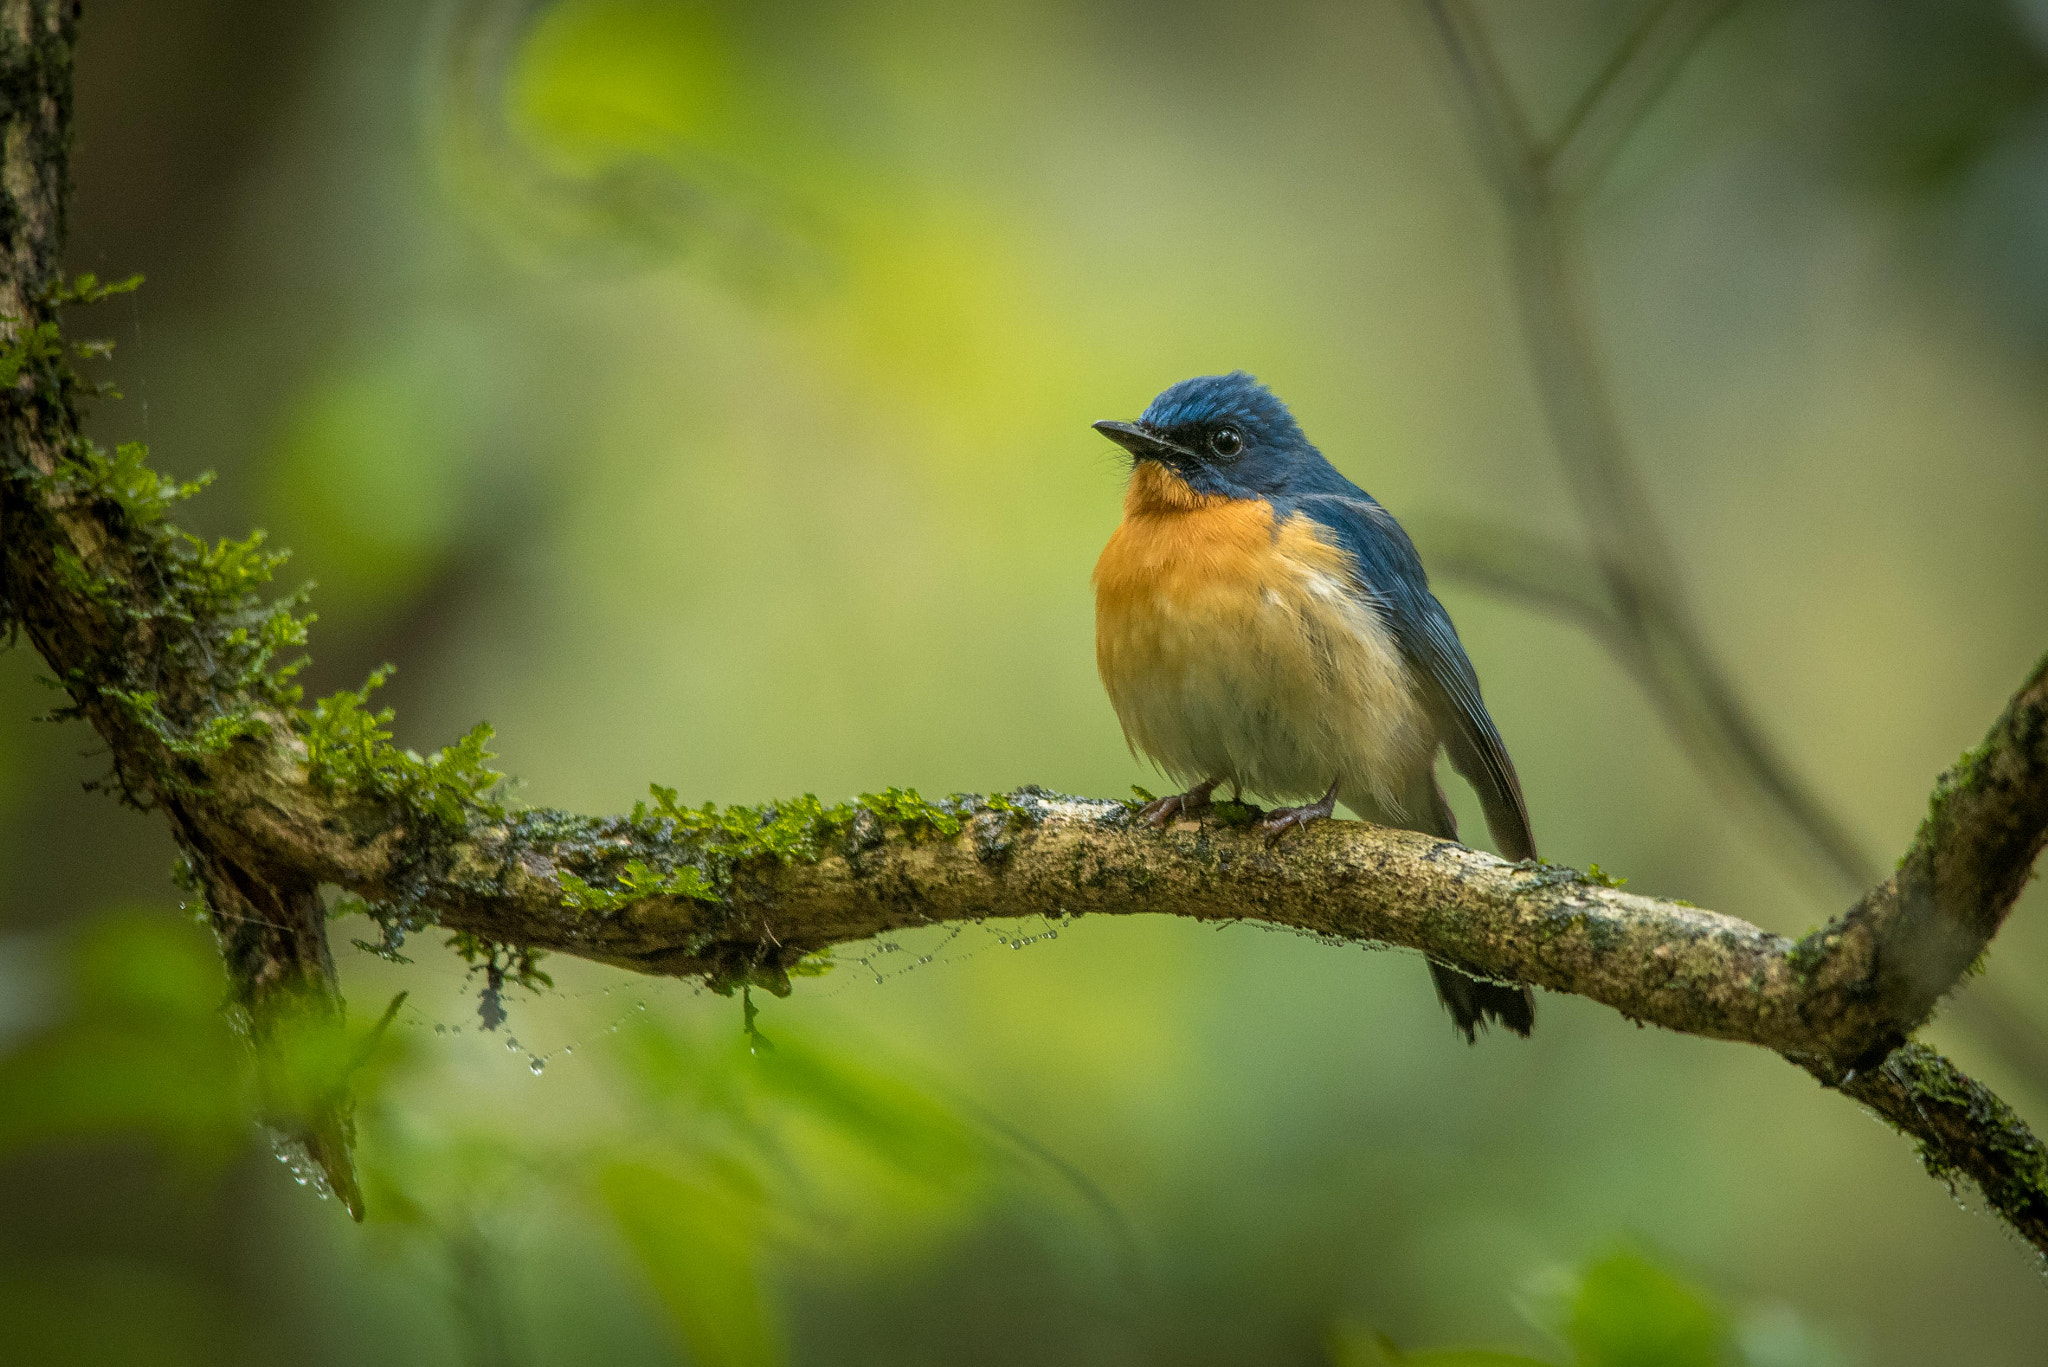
column 1159, row 811
column 1281, row 820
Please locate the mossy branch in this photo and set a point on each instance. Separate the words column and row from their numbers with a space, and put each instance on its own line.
column 165, row 647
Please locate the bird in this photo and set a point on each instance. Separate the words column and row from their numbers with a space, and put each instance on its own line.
column 1262, row 621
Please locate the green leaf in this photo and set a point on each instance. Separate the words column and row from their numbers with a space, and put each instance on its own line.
column 700, row 1249
column 1627, row 1312
column 888, row 1119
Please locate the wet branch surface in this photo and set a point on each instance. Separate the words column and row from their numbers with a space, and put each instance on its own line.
column 744, row 896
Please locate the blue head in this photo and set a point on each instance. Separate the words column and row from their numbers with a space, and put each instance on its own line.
column 1222, row 434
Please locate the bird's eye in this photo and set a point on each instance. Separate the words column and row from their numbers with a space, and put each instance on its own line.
column 1226, row 442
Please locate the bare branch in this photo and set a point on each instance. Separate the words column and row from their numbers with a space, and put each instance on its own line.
column 1643, row 588
column 1615, row 101
column 1508, row 149
column 1679, row 681
column 1537, row 571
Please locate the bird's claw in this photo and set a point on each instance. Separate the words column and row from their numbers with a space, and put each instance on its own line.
column 1281, row 820
column 1162, row 810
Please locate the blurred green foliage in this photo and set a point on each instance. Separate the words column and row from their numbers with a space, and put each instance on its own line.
column 145, row 1049
column 1625, row 1312
column 732, row 1150
column 1620, row 1310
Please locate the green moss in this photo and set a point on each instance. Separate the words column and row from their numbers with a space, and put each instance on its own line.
column 192, row 650
column 36, row 349
column 209, row 738
column 798, row 829
column 1602, row 878
column 2015, row 1180
column 349, row 750
column 1236, row 813
column 636, row 882
column 1807, row 954
column 89, row 289
column 1953, row 780
column 716, row 840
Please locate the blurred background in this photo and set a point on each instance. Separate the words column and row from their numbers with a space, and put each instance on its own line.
column 700, row 394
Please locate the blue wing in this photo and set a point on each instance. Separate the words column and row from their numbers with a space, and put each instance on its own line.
column 1391, row 573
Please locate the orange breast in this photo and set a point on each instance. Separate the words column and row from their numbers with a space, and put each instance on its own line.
column 1235, row 648
column 1176, row 547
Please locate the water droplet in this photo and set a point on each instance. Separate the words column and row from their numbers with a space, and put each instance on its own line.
column 568, row 1048
column 440, row 1029
column 639, row 1006
column 925, row 959
column 1050, row 935
column 512, row 1044
column 537, row 1064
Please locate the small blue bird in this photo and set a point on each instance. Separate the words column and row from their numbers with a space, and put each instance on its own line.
column 1261, row 621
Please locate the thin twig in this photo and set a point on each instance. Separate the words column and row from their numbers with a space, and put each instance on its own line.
column 1616, row 101
column 1645, row 596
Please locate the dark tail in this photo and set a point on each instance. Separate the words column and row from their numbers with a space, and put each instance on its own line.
column 1471, row 1001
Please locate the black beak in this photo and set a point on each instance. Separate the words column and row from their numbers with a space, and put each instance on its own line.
column 1140, row 440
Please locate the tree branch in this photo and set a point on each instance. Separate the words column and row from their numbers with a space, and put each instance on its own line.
column 165, row 650
column 1629, row 595
column 108, row 634
column 1616, row 99
column 1643, row 589
column 1560, row 580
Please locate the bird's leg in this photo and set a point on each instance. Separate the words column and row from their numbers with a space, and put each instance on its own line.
column 1165, row 809
column 1284, row 819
